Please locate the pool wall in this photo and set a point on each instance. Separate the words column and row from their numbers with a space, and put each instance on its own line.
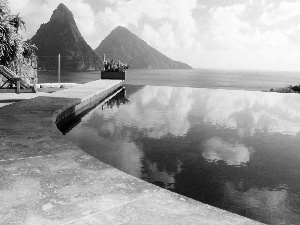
column 77, row 107
column 46, row 179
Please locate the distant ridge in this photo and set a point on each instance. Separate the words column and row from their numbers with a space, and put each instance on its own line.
column 127, row 47
column 61, row 36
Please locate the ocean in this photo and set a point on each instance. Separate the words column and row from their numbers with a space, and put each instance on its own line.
column 197, row 78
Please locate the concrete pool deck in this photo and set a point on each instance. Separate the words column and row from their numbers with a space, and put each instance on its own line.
column 46, row 179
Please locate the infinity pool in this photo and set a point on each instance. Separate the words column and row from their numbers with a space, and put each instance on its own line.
column 236, row 150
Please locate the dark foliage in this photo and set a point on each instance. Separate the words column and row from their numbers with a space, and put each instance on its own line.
column 12, row 46
column 115, row 66
column 288, row 89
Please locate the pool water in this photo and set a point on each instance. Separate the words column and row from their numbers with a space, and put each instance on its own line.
column 233, row 149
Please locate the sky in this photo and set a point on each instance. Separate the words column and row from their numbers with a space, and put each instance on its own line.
column 219, row 34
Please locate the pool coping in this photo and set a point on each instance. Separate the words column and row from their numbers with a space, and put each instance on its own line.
column 46, row 179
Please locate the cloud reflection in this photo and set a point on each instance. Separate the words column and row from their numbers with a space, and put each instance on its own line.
column 251, row 112
column 159, row 111
column 130, row 157
column 216, row 149
column 156, row 111
column 121, row 153
column 274, row 206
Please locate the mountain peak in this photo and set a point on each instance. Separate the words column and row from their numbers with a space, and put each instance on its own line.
column 62, row 13
column 62, row 5
column 119, row 31
column 120, row 28
column 123, row 45
column 61, row 36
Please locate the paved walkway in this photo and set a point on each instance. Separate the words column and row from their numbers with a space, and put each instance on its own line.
column 46, row 179
column 44, row 90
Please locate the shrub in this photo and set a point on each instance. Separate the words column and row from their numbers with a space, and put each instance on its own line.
column 114, row 66
column 12, row 46
column 288, row 89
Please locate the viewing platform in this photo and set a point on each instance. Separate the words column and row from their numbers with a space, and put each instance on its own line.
column 46, row 179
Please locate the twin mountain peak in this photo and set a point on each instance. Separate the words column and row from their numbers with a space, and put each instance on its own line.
column 61, row 36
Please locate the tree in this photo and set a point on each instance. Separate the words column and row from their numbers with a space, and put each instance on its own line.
column 12, row 46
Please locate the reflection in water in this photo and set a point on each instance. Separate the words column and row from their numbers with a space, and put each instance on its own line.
column 236, row 150
column 161, row 177
column 216, row 149
column 267, row 205
column 155, row 111
column 117, row 100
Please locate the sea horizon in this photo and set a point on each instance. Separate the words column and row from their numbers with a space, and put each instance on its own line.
column 247, row 69
column 196, row 78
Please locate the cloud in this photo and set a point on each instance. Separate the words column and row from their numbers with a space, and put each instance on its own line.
column 226, row 26
column 283, row 12
column 165, row 25
column 247, row 35
column 162, row 38
column 239, row 38
column 36, row 12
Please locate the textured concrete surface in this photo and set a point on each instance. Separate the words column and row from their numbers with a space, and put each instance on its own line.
column 9, row 98
column 45, row 179
column 56, row 85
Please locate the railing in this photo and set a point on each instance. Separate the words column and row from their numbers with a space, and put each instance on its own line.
column 64, row 63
